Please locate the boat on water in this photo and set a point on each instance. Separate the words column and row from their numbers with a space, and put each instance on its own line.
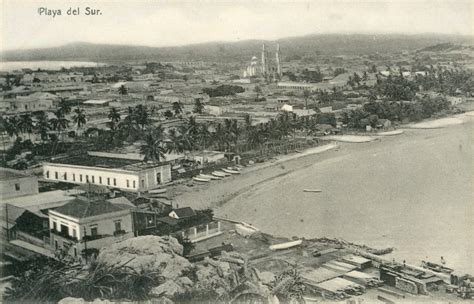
column 286, row 245
column 209, row 176
column 220, row 174
column 201, row 180
column 312, row 190
column 231, row 171
column 436, row 267
column 157, row 191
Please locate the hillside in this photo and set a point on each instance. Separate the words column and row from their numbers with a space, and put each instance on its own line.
column 320, row 44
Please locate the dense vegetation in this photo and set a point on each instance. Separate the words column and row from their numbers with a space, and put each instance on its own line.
column 223, row 90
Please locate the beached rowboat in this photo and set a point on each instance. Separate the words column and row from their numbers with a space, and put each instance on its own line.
column 157, row 191
column 220, row 174
column 231, row 171
column 200, row 179
column 312, row 190
column 286, row 245
column 209, row 176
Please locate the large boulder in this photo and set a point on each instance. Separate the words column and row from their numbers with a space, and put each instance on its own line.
column 152, row 253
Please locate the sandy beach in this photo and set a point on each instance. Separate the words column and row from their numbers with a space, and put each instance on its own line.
column 423, row 176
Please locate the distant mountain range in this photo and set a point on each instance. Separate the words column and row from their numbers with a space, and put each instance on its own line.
column 311, row 45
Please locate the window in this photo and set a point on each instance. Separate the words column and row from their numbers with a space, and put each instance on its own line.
column 74, row 233
column 17, row 187
column 158, row 178
column 74, row 176
column 100, row 180
column 143, row 183
column 118, row 226
column 75, row 252
column 56, row 175
column 134, row 184
column 93, row 179
column 56, row 244
column 87, row 178
column 80, row 177
column 55, row 226
column 64, row 229
column 93, row 231
column 115, row 182
column 108, row 181
column 128, row 183
column 149, row 221
column 47, row 174
column 65, row 176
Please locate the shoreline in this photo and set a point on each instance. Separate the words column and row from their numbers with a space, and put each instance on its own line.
column 268, row 171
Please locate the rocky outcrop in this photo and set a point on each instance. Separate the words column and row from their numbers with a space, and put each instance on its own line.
column 153, row 253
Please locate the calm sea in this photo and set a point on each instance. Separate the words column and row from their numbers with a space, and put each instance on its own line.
column 9, row 66
column 413, row 192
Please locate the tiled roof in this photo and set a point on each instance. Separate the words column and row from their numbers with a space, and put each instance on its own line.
column 79, row 208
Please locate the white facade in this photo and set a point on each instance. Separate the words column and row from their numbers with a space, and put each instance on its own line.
column 104, row 223
column 130, row 180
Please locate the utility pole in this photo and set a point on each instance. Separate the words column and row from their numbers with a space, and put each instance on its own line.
column 6, row 220
column 85, row 244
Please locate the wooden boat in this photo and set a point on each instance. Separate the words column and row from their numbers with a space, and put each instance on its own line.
column 436, row 267
column 157, row 191
column 201, row 180
column 312, row 190
column 286, row 245
column 220, row 174
column 209, row 176
column 233, row 168
column 231, row 171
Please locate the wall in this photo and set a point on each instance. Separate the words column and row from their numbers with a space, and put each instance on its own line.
column 149, row 177
column 406, row 285
column 73, row 176
column 28, row 186
column 121, row 176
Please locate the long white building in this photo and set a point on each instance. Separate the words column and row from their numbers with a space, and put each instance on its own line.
column 125, row 174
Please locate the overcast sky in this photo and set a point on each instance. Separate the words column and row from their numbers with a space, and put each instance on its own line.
column 168, row 23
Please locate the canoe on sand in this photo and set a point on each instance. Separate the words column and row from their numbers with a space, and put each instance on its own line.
column 202, row 180
column 312, row 190
column 220, row 174
column 286, row 245
column 231, row 171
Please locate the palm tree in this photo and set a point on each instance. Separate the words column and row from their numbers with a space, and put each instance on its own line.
column 12, row 126
column 198, row 106
column 177, row 108
column 141, row 116
column 123, row 90
column 58, row 123
column 26, row 124
column 114, row 117
column 204, row 136
column 128, row 127
column 153, row 148
column 64, row 107
column 42, row 125
column 175, row 141
column 79, row 117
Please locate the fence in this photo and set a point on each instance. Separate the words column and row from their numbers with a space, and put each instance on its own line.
column 203, row 232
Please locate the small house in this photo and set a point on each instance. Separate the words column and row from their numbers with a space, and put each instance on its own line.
column 182, row 213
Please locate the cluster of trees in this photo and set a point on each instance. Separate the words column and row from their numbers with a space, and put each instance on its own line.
column 395, row 111
column 223, row 90
column 446, row 81
column 355, row 80
column 312, row 76
column 20, row 126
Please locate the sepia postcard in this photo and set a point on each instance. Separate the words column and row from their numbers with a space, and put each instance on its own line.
column 213, row 151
